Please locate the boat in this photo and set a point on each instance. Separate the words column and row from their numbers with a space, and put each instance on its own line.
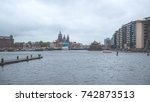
column 1, row 50
column 107, row 51
column 38, row 49
column 65, row 48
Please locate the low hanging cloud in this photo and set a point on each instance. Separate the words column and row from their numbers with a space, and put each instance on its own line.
column 83, row 20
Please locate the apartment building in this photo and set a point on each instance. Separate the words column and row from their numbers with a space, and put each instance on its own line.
column 134, row 35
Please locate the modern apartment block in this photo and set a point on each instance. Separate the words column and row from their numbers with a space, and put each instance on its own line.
column 121, row 38
column 113, row 41
column 117, row 34
column 139, row 35
column 134, row 35
column 130, row 35
column 146, row 27
column 107, row 43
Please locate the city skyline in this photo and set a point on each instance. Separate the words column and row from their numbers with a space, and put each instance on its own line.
column 84, row 20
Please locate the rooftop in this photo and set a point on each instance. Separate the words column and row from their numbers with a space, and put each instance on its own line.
column 6, row 37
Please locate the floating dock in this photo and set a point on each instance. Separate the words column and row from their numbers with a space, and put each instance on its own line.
column 6, row 62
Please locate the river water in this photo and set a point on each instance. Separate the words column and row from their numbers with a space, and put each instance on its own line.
column 77, row 68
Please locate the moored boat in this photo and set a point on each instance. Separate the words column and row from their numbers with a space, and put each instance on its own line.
column 107, row 51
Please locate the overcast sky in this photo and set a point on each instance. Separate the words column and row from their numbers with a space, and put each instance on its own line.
column 83, row 20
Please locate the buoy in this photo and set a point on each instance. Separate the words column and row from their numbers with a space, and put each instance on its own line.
column 27, row 58
column 17, row 57
column 2, row 60
column 39, row 55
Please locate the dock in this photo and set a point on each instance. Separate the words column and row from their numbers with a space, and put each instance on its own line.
column 17, row 60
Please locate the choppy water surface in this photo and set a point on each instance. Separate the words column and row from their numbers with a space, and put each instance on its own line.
column 77, row 67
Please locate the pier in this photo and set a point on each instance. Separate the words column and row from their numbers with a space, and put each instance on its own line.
column 17, row 60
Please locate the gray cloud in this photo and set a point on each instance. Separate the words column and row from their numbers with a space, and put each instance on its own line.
column 83, row 20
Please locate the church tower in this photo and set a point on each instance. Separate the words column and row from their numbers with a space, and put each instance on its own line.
column 67, row 38
column 59, row 37
column 64, row 39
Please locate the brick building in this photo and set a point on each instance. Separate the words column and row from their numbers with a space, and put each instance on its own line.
column 6, row 42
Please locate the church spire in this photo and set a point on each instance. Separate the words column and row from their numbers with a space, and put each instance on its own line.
column 60, row 32
column 64, row 38
column 67, row 38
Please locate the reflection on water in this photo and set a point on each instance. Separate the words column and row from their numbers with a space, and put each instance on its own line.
column 77, row 67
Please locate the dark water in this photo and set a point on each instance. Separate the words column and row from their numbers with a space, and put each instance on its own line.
column 77, row 67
